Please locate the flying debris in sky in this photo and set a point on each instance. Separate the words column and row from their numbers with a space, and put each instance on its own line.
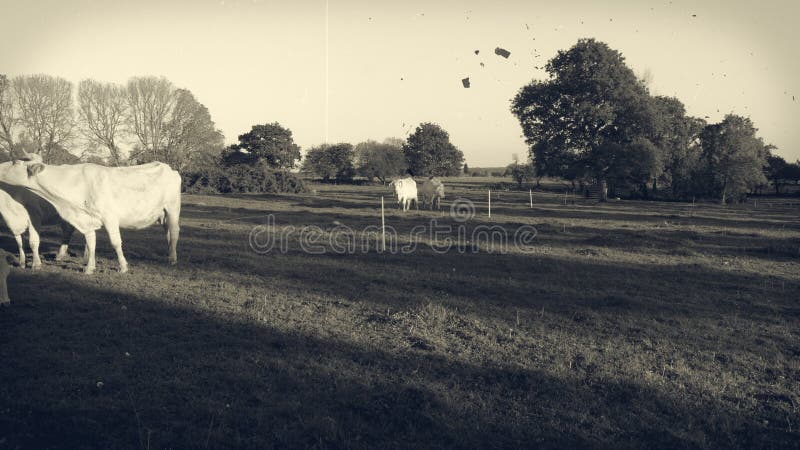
column 465, row 82
column 502, row 52
column 477, row 51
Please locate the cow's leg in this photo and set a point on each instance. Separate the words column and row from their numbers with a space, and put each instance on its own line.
column 88, row 254
column 172, row 217
column 33, row 241
column 66, row 235
column 18, row 238
column 4, row 271
column 112, row 227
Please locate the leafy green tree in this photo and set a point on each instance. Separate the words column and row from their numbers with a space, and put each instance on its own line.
column 466, row 168
column 676, row 137
column 520, row 172
column 776, row 170
column 631, row 165
column 591, row 106
column 331, row 162
column 792, row 172
column 733, row 158
column 271, row 143
column 381, row 161
column 429, row 152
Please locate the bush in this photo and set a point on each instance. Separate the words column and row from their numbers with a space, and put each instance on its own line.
column 241, row 178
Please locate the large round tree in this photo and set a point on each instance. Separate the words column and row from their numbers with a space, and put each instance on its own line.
column 580, row 122
column 272, row 144
column 428, row 152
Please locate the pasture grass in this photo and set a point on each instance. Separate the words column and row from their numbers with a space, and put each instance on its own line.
column 623, row 324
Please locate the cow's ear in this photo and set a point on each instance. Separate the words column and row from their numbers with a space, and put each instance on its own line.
column 34, row 169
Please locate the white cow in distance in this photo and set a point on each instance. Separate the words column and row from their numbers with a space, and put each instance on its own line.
column 89, row 196
column 406, row 190
column 432, row 192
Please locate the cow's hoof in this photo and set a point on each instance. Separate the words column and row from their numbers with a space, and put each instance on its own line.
column 123, row 269
column 89, row 270
column 173, row 261
column 36, row 266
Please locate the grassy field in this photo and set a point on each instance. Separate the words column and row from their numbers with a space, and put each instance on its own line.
column 622, row 324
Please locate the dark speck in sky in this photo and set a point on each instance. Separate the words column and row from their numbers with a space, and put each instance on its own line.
column 502, row 52
column 477, row 51
column 465, row 82
column 694, row 15
column 482, row 65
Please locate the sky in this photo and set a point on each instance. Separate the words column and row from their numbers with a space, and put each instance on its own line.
column 351, row 70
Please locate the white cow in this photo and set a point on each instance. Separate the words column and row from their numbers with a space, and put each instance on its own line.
column 18, row 222
column 24, row 211
column 89, row 196
column 406, row 190
column 432, row 191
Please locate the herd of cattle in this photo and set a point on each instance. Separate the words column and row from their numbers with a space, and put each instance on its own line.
column 405, row 189
column 86, row 197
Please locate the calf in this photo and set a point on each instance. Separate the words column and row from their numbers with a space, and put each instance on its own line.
column 23, row 211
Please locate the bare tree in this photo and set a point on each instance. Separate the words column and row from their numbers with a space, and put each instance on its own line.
column 8, row 118
column 102, row 109
column 191, row 134
column 150, row 104
column 45, row 112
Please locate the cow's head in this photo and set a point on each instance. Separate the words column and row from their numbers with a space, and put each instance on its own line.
column 19, row 170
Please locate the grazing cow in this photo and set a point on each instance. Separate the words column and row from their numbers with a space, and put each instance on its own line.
column 406, row 190
column 89, row 196
column 23, row 211
column 432, row 191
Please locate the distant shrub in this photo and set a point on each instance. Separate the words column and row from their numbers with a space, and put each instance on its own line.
column 242, row 178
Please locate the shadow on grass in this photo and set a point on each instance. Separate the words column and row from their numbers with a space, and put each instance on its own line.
column 89, row 367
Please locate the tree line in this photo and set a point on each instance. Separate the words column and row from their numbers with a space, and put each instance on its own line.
column 426, row 152
column 150, row 119
column 150, row 115
column 593, row 122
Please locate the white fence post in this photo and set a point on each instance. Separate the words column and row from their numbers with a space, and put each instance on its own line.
column 383, row 228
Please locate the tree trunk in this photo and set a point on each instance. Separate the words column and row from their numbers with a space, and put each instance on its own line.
column 603, row 184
